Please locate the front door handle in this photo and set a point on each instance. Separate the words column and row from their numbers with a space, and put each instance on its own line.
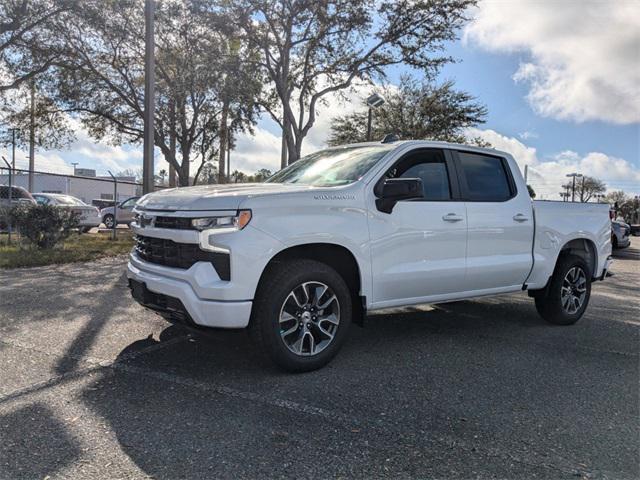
column 452, row 217
column 520, row 217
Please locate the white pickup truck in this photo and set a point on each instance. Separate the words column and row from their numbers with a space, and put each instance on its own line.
column 353, row 229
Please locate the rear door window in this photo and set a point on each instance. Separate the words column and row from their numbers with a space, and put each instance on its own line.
column 486, row 177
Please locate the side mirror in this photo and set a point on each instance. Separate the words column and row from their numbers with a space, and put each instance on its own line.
column 395, row 189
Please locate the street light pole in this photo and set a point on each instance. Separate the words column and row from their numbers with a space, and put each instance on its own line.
column 374, row 101
column 13, row 147
column 149, row 103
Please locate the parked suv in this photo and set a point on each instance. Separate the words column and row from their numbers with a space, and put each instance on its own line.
column 359, row 228
column 124, row 213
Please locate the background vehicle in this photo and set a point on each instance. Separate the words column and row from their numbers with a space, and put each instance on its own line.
column 360, row 228
column 124, row 214
column 100, row 203
column 88, row 216
column 620, row 232
column 18, row 196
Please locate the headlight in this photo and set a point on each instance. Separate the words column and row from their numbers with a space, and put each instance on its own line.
column 223, row 224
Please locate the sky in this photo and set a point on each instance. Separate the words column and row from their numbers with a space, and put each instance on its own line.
column 560, row 79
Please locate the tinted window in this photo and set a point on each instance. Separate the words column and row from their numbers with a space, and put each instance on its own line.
column 486, row 177
column 430, row 167
column 16, row 193
column 435, row 180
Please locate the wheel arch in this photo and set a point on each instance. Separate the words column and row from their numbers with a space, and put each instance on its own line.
column 338, row 257
column 583, row 248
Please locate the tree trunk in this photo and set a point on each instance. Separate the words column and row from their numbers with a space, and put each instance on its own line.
column 223, row 141
column 183, row 177
column 284, row 148
column 172, row 143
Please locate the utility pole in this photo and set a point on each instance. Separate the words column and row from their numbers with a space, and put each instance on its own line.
column 13, row 147
column 10, row 199
column 32, row 135
column 573, row 184
column 149, row 92
column 75, row 164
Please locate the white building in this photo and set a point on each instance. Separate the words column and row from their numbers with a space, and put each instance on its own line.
column 86, row 189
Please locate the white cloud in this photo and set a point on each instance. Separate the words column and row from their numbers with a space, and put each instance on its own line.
column 546, row 175
column 526, row 135
column 584, row 56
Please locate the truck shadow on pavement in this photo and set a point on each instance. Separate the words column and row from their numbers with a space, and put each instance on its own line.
column 401, row 392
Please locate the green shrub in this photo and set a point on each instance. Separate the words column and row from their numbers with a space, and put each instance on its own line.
column 43, row 225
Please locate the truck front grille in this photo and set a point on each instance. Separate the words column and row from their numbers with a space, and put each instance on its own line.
column 180, row 255
column 174, row 223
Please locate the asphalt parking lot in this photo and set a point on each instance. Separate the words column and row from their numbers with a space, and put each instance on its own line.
column 93, row 386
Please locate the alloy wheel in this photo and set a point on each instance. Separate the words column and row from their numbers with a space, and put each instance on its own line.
column 309, row 318
column 574, row 290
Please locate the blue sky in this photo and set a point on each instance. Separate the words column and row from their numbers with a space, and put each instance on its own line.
column 561, row 81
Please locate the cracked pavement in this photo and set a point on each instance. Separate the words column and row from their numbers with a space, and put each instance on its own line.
column 94, row 386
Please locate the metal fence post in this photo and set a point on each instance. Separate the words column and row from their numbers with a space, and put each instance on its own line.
column 115, row 205
column 9, row 225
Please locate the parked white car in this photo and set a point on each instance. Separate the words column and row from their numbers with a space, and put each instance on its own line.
column 620, row 234
column 354, row 229
column 88, row 215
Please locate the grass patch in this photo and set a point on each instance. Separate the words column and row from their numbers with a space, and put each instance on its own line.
column 76, row 248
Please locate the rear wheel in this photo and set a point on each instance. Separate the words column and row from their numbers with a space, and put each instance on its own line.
column 568, row 293
column 108, row 220
column 301, row 314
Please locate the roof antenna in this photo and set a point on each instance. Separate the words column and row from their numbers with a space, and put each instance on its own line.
column 390, row 138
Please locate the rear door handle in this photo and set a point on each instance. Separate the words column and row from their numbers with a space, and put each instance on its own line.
column 520, row 217
column 452, row 217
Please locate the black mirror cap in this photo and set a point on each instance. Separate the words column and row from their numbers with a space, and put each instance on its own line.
column 396, row 189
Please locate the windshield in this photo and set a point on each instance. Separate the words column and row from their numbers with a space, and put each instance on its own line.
column 328, row 168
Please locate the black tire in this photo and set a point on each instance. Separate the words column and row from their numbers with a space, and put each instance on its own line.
column 550, row 305
column 108, row 220
column 276, row 287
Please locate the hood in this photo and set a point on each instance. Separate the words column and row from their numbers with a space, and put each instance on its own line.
column 214, row 197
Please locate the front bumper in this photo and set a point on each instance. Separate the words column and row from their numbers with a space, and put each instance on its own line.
column 177, row 299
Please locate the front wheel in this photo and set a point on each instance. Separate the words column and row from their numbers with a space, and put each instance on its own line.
column 568, row 293
column 108, row 220
column 301, row 314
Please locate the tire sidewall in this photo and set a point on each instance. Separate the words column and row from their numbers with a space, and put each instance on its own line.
column 554, row 298
column 274, row 295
